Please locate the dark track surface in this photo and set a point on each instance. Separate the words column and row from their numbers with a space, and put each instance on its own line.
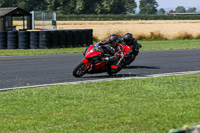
column 19, row 71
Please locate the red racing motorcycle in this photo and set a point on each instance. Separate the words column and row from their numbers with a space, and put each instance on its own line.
column 94, row 63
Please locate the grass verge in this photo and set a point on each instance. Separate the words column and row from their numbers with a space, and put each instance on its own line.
column 152, row 105
column 22, row 52
column 170, row 44
column 147, row 45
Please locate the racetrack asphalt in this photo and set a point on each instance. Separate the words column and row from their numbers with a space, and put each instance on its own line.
column 16, row 71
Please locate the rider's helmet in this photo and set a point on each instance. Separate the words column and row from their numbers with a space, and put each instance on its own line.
column 113, row 40
column 128, row 37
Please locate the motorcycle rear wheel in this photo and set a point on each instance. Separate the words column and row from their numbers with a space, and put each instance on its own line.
column 79, row 70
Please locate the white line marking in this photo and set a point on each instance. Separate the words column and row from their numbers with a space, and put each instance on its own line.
column 106, row 79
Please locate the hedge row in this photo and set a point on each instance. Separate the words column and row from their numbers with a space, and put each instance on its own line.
column 125, row 17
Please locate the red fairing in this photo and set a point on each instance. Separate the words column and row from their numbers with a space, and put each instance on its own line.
column 127, row 49
column 91, row 52
column 99, row 66
column 85, row 61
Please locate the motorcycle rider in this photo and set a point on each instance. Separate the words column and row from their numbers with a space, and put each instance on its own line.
column 116, row 51
column 130, row 41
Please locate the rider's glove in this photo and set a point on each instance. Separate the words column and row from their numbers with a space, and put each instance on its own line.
column 106, row 59
column 101, row 43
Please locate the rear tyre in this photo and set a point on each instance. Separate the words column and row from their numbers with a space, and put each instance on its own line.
column 129, row 60
column 79, row 70
column 110, row 73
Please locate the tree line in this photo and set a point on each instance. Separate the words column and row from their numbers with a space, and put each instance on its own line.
column 92, row 6
column 178, row 9
column 75, row 6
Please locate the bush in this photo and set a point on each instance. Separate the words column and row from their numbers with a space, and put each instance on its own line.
column 183, row 35
column 110, row 17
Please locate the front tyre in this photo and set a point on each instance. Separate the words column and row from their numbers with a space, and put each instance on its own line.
column 79, row 70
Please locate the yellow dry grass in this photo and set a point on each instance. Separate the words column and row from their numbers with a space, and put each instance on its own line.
column 168, row 29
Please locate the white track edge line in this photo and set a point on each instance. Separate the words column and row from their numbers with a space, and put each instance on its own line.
column 106, row 79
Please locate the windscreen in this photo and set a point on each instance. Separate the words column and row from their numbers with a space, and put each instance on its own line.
column 97, row 47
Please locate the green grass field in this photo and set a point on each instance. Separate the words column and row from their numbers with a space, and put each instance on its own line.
column 153, row 105
column 147, row 45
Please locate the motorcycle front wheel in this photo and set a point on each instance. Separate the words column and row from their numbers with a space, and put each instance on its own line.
column 79, row 70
